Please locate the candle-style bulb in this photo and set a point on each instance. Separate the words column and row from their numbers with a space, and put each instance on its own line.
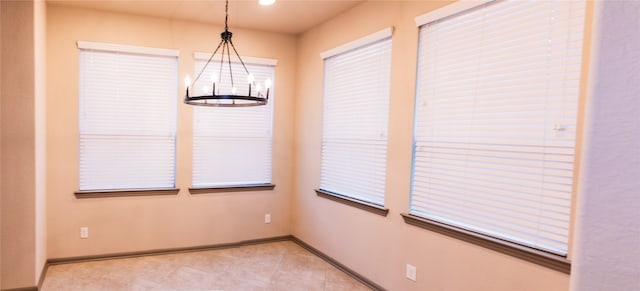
column 267, row 83
column 205, row 89
column 187, row 82
column 233, row 90
column 213, row 78
column 250, row 79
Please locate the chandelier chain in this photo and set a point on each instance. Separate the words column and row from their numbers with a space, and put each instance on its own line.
column 226, row 15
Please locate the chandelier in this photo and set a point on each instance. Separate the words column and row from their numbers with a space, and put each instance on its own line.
column 228, row 97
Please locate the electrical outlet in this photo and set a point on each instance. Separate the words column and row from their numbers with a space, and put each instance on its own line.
column 84, row 232
column 411, row 272
column 267, row 218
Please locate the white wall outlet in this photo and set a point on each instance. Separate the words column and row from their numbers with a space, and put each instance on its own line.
column 411, row 272
column 267, row 218
column 84, row 232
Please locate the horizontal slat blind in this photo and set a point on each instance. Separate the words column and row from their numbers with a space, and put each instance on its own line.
column 232, row 145
column 355, row 117
column 496, row 116
column 127, row 120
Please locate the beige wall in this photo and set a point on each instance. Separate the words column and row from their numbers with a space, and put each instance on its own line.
column 18, row 233
column 156, row 222
column 40, row 112
column 380, row 247
column 607, row 243
column 1, row 94
column 22, row 249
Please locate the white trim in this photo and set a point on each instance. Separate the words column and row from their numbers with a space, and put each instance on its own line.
column 449, row 10
column 111, row 47
column 247, row 60
column 379, row 35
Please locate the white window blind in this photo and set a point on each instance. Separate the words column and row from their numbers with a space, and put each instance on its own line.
column 355, row 117
column 496, row 113
column 127, row 107
column 232, row 145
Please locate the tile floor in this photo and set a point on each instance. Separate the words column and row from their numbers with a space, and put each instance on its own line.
column 270, row 266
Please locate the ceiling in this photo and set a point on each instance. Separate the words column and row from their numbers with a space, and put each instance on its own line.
column 285, row 16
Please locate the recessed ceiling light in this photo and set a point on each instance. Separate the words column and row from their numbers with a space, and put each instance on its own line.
column 266, row 2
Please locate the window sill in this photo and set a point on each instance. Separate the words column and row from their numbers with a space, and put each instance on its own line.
column 232, row 188
column 125, row 192
column 542, row 258
column 363, row 205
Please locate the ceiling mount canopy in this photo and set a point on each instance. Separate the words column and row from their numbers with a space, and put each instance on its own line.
column 227, row 97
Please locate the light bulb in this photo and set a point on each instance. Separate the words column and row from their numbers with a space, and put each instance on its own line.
column 213, row 78
column 250, row 79
column 258, row 87
column 205, row 89
column 266, row 2
column 187, row 82
column 233, row 90
column 267, row 83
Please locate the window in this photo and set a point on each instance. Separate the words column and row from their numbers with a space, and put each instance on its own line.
column 495, row 125
column 128, row 98
column 355, row 117
column 232, row 145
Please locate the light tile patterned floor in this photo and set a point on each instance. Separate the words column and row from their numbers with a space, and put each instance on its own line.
column 269, row 266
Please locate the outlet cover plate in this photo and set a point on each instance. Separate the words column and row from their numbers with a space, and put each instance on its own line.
column 411, row 272
column 84, row 232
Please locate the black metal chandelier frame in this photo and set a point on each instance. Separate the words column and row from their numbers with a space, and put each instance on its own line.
column 217, row 100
